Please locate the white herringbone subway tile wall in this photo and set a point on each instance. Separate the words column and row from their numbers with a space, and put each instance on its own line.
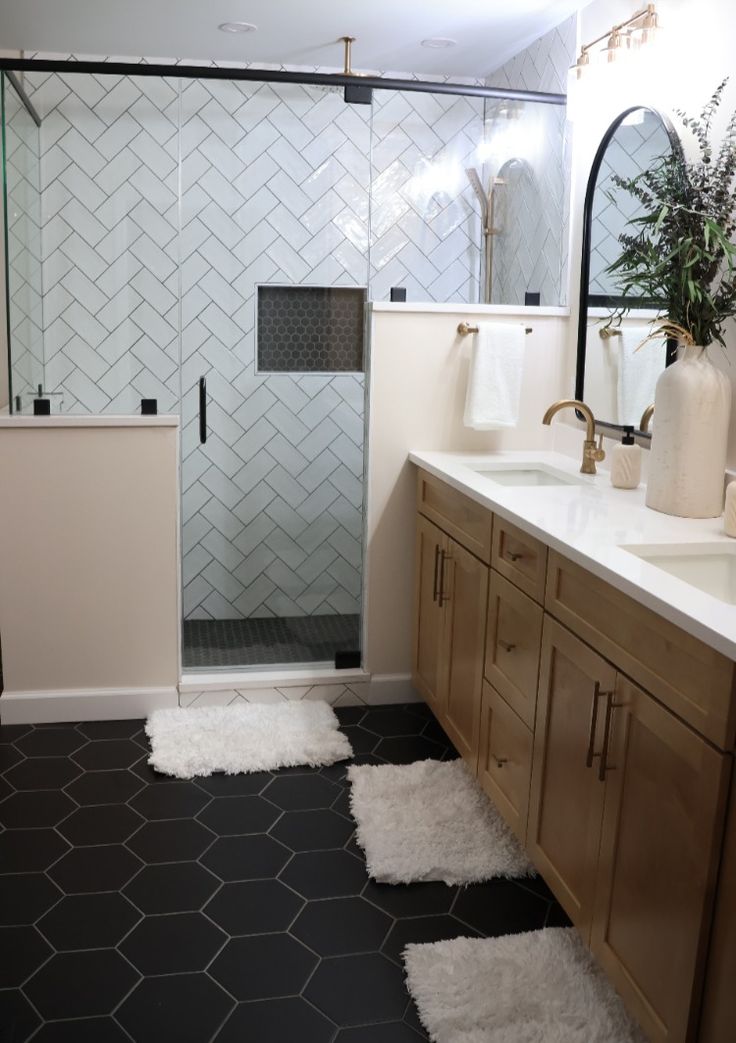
column 531, row 249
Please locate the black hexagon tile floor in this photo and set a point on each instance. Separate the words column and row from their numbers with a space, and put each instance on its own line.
column 134, row 907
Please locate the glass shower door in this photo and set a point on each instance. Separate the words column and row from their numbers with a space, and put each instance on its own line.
column 274, row 216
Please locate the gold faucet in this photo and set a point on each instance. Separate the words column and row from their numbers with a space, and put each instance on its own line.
column 646, row 418
column 592, row 454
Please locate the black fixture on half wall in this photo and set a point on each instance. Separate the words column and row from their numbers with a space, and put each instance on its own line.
column 310, row 329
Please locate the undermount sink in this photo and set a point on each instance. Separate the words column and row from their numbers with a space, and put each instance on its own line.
column 525, row 475
column 708, row 567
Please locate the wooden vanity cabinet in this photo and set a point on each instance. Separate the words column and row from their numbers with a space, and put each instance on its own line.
column 665, row 790
column 605, row 737
column 449, row 634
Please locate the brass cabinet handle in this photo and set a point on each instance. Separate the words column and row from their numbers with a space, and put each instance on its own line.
column 505, row 645
column 597, row 693
column 435, row 591
column 514, row 556
column 500, row 761
column 444, row 556
column 604, row 766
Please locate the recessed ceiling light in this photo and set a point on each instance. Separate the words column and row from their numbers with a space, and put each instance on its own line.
column 439, row 42
column 237, row 27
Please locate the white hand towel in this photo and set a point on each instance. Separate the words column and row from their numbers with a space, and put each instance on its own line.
column 494, row 381
column 637, row 372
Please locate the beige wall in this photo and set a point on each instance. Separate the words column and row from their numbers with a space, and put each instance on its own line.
column 88, row 556
column 693, row 53
column 418, row 377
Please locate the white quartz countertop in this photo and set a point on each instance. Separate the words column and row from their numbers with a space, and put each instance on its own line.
column 590, row 523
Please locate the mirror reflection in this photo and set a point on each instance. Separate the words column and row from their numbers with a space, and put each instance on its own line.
column 614, row 378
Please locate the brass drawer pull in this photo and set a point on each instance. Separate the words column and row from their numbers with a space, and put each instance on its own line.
column 505, row 645
column 500, row 761
column 444, row 557
column 514, row 556
column 597, row 693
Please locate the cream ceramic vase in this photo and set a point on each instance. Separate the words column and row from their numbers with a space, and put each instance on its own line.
column 687, row 462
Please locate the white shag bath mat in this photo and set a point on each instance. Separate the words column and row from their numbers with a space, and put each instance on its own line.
column 430, row 821
column 538, row 987
column 244, row 738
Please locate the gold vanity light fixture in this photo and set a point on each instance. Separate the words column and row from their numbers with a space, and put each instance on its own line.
column 640, row 29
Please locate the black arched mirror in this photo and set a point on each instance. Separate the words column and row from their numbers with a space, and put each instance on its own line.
column 613, row 378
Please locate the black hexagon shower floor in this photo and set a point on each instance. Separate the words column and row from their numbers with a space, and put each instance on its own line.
column 135, row 907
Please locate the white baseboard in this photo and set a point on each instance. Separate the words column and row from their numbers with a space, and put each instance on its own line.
column 84, row 704
column 339, row 688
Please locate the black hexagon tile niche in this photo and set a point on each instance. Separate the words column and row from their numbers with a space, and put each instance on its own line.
column 179, row 800
column 100, row 824
column 301, row 792
column 173, row 944
column 90, row 921
column 235, row 816
column 263, row 967
column 186, row 1008
column 50, row 742
column 30, row 850
column 80, row 984
column 22, row 951
column 35, row 808
column 312, row 830
column 174, row 888
column 290, row 1020
column 104, row 787
column 85, row 869
column 254, row 907
column 107, row 753
column 341, row 926
column 25, row 897
column 90, row 1030
column 42, row 773
column 325, row 874
column 356, row 990
column 246, row 858
column 176, row 840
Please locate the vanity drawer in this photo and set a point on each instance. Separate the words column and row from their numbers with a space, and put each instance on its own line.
column 513, row 643
column 505, row 760
column 693, row 680
column 520, row 558
column 459, row 516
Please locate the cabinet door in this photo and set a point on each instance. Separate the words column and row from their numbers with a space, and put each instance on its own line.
column 430, row 661
column 662, row 829
column 464, row 596
column 566, row 805
column 505, row 760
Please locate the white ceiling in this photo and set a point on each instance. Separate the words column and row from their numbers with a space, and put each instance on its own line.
column 292, row 32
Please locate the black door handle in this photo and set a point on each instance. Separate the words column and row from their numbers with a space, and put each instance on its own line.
column 202, row 410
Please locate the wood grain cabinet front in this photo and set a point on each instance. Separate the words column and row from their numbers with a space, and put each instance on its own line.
column 449, row 634
column 520, row 558
column 513, row 643
column 665, row 789
column 505, row 760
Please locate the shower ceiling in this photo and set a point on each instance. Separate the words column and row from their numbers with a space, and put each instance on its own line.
column 289, row 31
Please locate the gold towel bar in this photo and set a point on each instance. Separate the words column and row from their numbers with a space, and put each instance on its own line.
column 465, row 328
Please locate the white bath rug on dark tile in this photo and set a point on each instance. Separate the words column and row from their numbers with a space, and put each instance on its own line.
column 538, row 987
column 244, row 738
column 430, row 821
